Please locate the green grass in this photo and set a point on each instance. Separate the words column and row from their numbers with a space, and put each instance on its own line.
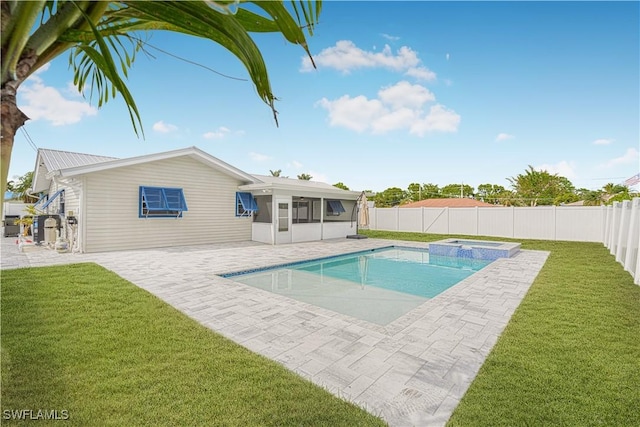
column 80, row 338
column 570, row 356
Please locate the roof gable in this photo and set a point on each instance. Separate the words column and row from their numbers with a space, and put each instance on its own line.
column 51, row 160
column 107, row 163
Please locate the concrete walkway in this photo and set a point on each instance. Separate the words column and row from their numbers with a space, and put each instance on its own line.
column 412, row 372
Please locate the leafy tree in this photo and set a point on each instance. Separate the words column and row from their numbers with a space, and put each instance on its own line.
column 453, row 190
column 614, row 191
column 566, row 198
column 414, row 192
column 431, row 191
column 539, row 187
column 305, row 177
column 102, row 40
column 392, row 196
column 593, row 198
column 341, row 185
column 490, row 193
column 21, row 186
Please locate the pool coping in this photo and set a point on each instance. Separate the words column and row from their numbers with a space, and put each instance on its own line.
column 412, row 372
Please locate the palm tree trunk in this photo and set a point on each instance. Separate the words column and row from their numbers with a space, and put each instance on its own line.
column 11, row 118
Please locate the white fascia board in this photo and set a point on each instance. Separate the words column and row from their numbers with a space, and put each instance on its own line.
column 302, row 190
column 193, row 152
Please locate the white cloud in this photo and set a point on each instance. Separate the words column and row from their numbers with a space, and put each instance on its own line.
column 504, row 137
column 397, row 107
column 346, row 56
column 41, row 102
column 163, row 127
column 562, row 168
column 353, row 113
column 319, row 177
column 603, row 141
column 630, row 156
column 257, row 157
column 404, row 94
column 390, row 37
column 439, row 119
column 295, row 164
column 219, row 133
column 421, row 73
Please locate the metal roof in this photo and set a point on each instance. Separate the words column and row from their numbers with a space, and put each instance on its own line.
column 56, row 159
column 298, row 185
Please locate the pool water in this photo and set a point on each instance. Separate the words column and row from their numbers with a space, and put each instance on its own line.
column 377, row 285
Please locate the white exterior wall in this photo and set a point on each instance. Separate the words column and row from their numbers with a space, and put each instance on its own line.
column 262, row 232
column 111, row 203
column 336, row 230
column 307, row 232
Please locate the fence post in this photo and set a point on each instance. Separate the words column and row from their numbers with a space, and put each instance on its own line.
column 613, row 233
column 623, row 229
column 633, row 238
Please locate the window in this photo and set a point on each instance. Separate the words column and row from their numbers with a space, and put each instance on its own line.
column 60, row 194
column 161, row 202
column 245, row 204
column 303, row 210
column 334, row 207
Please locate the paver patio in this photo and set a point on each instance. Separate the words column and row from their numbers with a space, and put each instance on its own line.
column 412, row 372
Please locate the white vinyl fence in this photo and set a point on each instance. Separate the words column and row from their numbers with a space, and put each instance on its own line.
column 622, row 235
column 576, row 223
column 617, row 226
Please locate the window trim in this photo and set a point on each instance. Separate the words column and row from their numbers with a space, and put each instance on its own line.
column 167, row 209
column 242, row 200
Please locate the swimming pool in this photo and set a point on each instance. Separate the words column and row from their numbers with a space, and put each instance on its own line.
column 378, row 285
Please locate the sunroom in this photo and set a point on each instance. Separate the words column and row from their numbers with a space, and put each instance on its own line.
column 289, row 211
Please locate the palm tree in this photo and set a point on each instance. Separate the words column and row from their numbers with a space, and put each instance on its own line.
column 305, row 177
column 275, row 173
column 102, row 39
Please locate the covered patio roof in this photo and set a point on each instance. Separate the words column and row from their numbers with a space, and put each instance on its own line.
column 297, row 187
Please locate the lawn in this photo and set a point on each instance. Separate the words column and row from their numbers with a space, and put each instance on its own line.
column 86, row 343
column 570, row 355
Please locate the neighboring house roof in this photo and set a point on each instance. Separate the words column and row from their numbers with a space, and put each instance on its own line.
column 106, row 163
column 268, row 183
column 447, row 203
column 53, row 160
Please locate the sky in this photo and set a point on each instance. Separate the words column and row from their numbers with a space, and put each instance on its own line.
column 403, row 92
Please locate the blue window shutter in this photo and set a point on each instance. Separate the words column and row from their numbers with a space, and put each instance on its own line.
column 247, row 202
column 335, row 206
column 153, row 198
column 161, row 202
column 175, row 199
column 52, row 198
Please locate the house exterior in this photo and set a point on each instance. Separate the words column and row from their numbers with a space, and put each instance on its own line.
column 180, row 197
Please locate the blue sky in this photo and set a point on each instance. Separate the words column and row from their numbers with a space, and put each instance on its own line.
column 428, row 92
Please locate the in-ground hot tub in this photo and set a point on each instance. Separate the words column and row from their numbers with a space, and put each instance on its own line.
column 475, row 249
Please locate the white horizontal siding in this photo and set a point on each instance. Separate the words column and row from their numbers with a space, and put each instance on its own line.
column 112, row 221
